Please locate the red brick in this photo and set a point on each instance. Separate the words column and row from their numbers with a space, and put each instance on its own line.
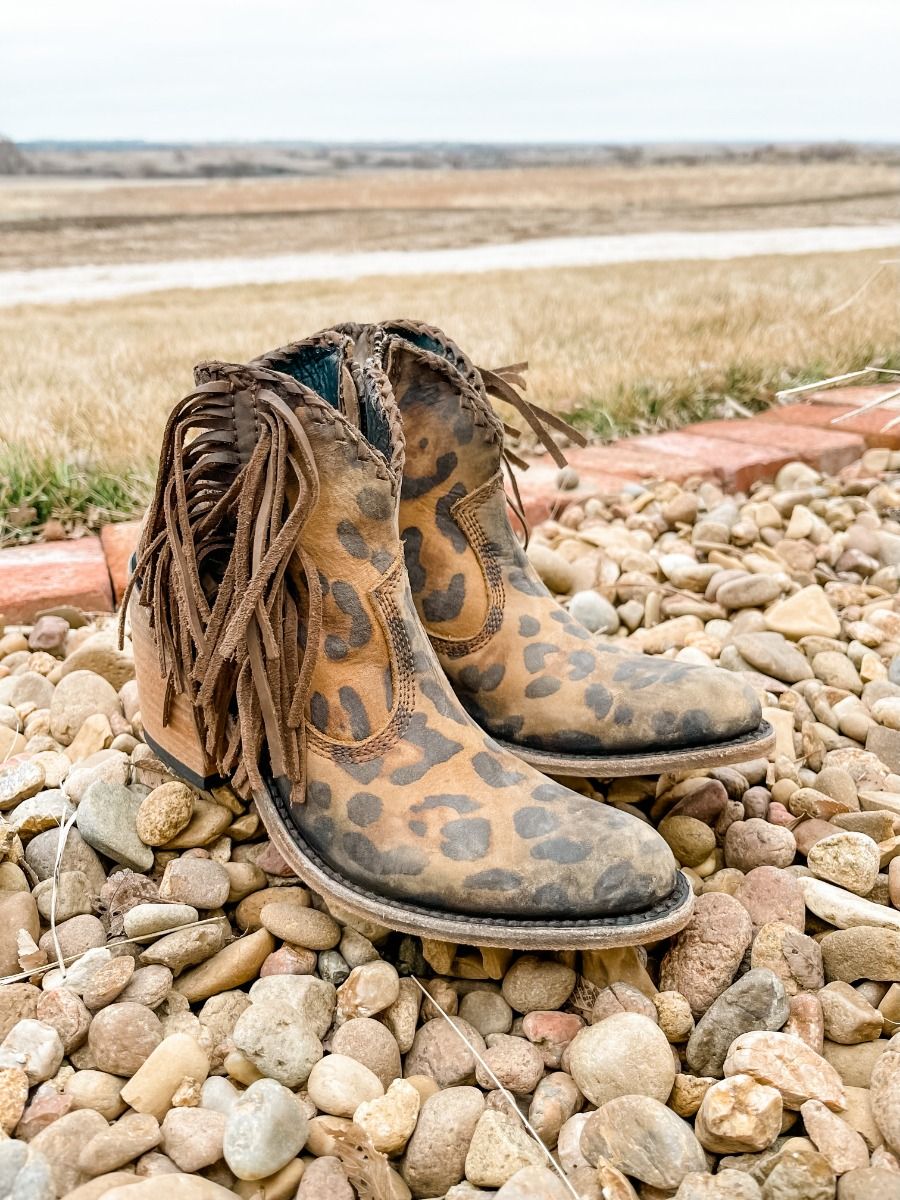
column 50, row 573
column 640, row 458
column 736, row 465
column 825, row 449
column 869, row 425
column 854, row 397
column 119, row 542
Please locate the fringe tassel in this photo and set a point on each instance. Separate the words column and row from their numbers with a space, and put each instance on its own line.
column 502, row 383
column 228, row 587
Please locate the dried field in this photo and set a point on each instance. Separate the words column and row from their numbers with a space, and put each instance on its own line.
column 60, row 222
column 636, row 345
column 85, row 387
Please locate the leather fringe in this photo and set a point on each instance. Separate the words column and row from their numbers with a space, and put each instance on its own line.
column 235, row 604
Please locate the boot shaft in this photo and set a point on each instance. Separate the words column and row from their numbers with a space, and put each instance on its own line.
column 457, row 539
column 270, row 563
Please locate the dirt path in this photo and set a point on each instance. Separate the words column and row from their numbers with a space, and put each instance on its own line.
column 67, row 284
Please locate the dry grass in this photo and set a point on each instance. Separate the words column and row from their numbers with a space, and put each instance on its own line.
column 57, row 222
column 85, row 389
column 630, row 346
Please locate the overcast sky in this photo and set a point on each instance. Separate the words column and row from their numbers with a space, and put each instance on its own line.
column 517, row 70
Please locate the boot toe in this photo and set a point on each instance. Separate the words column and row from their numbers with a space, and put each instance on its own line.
column 731, row 707
column 642, row 874
column 597, row 862
column 663, row 705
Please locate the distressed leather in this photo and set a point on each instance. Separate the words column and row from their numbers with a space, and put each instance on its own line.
column 524, row 669
column 403, row 795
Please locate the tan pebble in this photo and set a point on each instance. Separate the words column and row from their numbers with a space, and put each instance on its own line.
column 337, row 1085
column 244, row 827
column 94, row 735
column 706, row 954
column 848, row 1016
column 198, row 882
column 124, row 1141
column 164, row 812
column 97, row 1090
column 389, row 1120
column 13, row 1096
column 674, row 1015
column 784, row 1062
column 500, row 1146
column 240, row 1068
column 98, row 1187
column 372, row 1044
column 62, row 1142
column 193, row 1137
column 153, row 1086
column 149, row 985
column 18, row 910
column 188, row 1187
column 739, row 1115
column 556, row 1098
column 322, row 1131
column 244, row 878
column 123, row 1036
column 300, row 925
column 625, row 1054
column 643, row 1138
column 885, row 1095
column 248, row 910
column 289, row 960
column 859, row 1116
column 280, row 1186
column 229, row 968
column 325, row 1177
column 424, row 1085
column 850, row 860
column 692, row 841
column 108, row 982
column 368, row 990
column 533, row 984
column 842, row 1146
column 207, row 822
column 806, row 1020
column 687, row 1093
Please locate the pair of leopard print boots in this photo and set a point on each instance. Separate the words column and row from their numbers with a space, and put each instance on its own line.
column 331, row 610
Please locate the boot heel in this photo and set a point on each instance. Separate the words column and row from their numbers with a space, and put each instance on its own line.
column 177, row 742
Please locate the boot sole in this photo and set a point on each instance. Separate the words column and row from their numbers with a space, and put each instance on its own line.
column 598, row 933
column 617, row 766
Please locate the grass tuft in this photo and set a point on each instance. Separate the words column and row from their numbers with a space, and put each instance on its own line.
column 654, row 405
column 71, row 496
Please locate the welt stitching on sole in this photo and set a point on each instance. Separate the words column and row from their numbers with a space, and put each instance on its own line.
column 749, row 740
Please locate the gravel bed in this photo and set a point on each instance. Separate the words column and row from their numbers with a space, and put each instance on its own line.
column 220, row 1025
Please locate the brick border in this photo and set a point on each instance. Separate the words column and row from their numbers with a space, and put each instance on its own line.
column 91, row 572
